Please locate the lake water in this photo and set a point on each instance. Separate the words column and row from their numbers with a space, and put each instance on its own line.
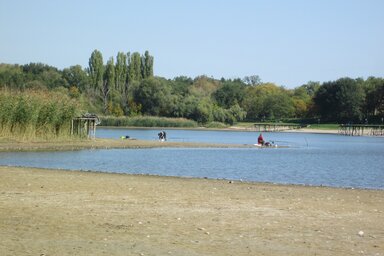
column 311, row 159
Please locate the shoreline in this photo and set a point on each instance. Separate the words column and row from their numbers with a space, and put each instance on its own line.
column 56, row 212
column 232, row 128
column 230, row 181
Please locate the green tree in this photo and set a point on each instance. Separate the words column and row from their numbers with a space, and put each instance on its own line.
column 134, row 69
column 108, row 84
column 374, row 103
column 229, row 94
column 121, row 83
column 252, row 80
column 340, row 100
column 44, row 75
column 181, row 85
column 121, row 70
column 76, row 76
column 12, row 76
column 147, row 65
column 96, row 69
column 311, row 88
column 267, row 102
column 204, row 86
column 153, row 95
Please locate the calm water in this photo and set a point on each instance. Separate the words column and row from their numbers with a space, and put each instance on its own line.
column 313, row 159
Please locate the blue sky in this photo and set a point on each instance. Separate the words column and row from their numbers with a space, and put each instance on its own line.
column 287, row 42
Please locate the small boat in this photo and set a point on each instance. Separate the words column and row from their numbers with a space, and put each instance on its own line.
column 266, row 145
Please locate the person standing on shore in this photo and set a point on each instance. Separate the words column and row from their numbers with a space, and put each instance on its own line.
column 162, row 136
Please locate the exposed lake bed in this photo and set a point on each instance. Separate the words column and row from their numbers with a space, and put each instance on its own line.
column 51, row 212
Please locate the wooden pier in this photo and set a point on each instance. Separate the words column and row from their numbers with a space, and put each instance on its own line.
column 361, row 129
column 276, row 127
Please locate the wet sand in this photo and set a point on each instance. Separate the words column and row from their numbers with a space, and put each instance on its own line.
column 99, row 143
column 51, row 212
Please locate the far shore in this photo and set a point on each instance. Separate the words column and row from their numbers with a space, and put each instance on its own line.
column 231, row 128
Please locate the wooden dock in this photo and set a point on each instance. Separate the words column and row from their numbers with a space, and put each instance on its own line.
column 361, row 129
column 276, row 127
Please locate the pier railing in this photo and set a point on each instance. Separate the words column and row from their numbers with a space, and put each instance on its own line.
column 276, row 127
column 361, row 129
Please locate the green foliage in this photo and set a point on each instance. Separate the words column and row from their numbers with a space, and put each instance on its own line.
column 31, row 75
column 121, row 72
column 147, row 121
column 126, row 86
column 74, row 92
column 76, row 77
column 253, row 80
column 267, row 102
column 12, row 76
column 35, row 115
column 153, row 95
column 134, row 69
column 147, row 65
column 108, row 83
column 374, row 90
column 340, row 101
column 229, row 94
column 96, row 69
column 180, row 85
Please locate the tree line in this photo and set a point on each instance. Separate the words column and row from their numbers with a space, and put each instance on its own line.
column 125, row 85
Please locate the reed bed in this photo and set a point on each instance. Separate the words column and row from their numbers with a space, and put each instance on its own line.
column 30, row 115
column 147, row 121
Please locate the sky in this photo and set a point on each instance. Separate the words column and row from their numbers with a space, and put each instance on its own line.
column 286, row 42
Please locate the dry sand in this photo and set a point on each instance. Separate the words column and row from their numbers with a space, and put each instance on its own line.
column 51, row 212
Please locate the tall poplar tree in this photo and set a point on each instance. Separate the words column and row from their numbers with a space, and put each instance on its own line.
column 96, row 69
column 121, row 72
column 134, row 70
column 108, row 83
column 147, row 65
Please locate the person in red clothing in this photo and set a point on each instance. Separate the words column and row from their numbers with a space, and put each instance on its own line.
column 260, row 140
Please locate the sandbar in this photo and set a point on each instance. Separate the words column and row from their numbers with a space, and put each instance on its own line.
column 100, row 143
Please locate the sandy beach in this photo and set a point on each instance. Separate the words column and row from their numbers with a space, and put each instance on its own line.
column 52, row 212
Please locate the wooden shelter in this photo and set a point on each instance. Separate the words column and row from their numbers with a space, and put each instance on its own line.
column 85, row 126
